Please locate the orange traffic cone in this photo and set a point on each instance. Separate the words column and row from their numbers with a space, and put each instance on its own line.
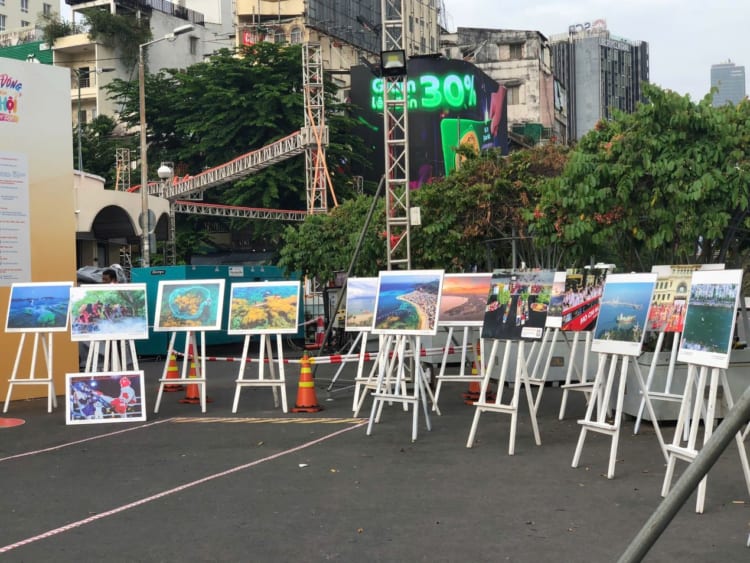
column 475, row 387
column 173, row 372
column 192, row 393
column 306, row 399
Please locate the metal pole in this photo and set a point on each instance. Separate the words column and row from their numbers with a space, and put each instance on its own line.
column 689, row 480
column 78, row 121
column 145, row 226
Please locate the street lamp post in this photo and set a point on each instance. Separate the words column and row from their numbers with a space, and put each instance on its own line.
column 146, row 226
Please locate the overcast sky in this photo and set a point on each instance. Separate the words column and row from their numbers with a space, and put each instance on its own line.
column 685, row 37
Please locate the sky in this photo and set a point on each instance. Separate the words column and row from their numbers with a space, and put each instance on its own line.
column 685, row 37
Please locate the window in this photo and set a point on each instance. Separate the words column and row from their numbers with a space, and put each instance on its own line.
column 25, row 6
column 2, row 2
column 2, row 22
column 24, row 23
column 279, row 36
column 193, row 45
column 47, row 9
column 296, row 35
column 514, row 95
column 516, row 51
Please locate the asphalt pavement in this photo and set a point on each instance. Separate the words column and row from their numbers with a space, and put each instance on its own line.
column 264, row 486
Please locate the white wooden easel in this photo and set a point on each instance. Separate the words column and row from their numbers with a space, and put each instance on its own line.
column 667, row 395
column 115, row 355
column 546, row 349
column 676, row 450
column 200, row 368
column 277, row 382
column 364, row 383
column 390, row 386
column 461, row 376
column 583, row 384
column 361, row 341
column 521, row 379
column 601, row 393
column 45, row 342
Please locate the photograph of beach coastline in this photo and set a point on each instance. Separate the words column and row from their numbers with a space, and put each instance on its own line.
column 361, row 294
column 264, row 308
column 408, row 302
column 710, row 318
column 38, row 307
column 623, row 312
column 463, row 299
column 517, row 305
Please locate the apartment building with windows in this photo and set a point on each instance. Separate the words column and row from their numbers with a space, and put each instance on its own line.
column 599, row 73
column 20, row 16
column 522, row 62
column 348, row 31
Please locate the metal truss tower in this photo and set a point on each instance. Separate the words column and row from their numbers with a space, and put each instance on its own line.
column 317, row 179
column 396, row 141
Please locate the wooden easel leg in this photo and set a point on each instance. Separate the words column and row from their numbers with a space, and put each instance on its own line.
column 241, row 375
column 590, row 409
column 483, row 393
column 568, row 375
column 162, row 383
column 281, row 374
column 739, row 438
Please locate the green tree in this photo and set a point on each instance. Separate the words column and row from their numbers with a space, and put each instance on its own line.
column 100, row 140
column 483, row 201
column 217, row 110
column 644, row 188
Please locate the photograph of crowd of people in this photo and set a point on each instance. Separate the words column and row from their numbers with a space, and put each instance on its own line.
column 108, row 312
column 517, row 305
column 104, row 397
column 580, row 300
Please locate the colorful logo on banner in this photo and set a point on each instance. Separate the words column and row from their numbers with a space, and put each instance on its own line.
column 10, row 93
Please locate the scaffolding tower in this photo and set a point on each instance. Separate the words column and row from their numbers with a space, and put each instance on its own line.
column 122, row 169
column 396, row 141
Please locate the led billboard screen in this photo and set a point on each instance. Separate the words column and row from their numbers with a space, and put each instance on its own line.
column 450, row 102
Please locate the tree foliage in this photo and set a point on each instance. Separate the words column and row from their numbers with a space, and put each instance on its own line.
column 461, row 215
column 229, row 105
column 100, row 139
column 647, row 187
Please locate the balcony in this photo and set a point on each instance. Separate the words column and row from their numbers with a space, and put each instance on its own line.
column 163, row 6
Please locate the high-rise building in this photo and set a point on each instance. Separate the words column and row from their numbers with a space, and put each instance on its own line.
column 730, row 81
column 599, row 72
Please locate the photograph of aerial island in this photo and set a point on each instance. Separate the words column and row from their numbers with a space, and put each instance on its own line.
column 517, row 305
column 361, row 294
column 38, row 307
column 710, row 318
column 189, row 305
column 408, row 302
column 264, row 308
column 463, row 299
column 623, row 312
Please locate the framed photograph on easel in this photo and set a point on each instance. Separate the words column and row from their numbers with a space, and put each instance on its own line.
column 189, row 305
column 463, row 299
column 101, row 397
column 264, row 308
column 710, row 318
column 108, row 312
column 361, row 294
column 38, row 307
column 408, row 302
column 623, row 313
